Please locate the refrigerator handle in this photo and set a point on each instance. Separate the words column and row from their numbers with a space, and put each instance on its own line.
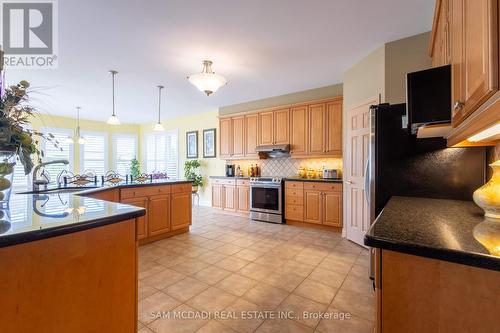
column 367, row 181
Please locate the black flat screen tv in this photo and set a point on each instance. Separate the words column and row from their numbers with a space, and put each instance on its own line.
column 429, row 96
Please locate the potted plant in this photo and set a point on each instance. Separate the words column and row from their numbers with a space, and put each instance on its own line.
column 135, row 169
column 17, row 142
column 192, row 173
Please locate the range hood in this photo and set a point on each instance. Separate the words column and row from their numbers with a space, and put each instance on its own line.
column 274, row 150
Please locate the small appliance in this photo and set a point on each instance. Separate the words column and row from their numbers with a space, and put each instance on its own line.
column 331, row 174
column 230, row 170
column 266, row 199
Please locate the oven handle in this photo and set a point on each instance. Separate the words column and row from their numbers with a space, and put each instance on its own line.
column 265, row 186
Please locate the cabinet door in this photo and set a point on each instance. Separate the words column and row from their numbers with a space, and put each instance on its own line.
column 217, row 199
column 317, row 129
column 243, row 199
column 298, row 131
column 333, row 143
column 266, row 128
column 281, row 127
column 229, row 198
column 251, row 135
column 180, row 208
column 226, row 148
column 457, row 58
column 332, row 212
column 159, row 214
column 142, row 222
column 238, row 135
column 313, row 202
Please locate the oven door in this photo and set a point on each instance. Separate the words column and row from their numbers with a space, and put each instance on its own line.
column 265, row 198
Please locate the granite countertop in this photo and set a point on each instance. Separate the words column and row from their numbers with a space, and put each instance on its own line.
column 226, row 177
column 320, row 180
column 62, row 210
column 447, row 230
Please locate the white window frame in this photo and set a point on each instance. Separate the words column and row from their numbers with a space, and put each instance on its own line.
column 106, row 150
column 158, row 134
column 44, row 143
column 114, row 150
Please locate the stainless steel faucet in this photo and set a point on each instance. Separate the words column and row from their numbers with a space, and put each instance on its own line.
column 37, row 182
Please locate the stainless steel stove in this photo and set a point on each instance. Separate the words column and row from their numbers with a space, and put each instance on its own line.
column 266, row 199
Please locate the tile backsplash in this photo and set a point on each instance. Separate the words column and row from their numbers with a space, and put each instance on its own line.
column 288, row 167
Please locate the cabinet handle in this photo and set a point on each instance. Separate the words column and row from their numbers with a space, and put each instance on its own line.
column 348, row 182
column 458, row 106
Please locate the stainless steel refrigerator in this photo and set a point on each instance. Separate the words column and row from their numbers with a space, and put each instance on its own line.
column 402, row 165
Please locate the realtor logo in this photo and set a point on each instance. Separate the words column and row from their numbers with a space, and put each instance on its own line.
column 29, row 33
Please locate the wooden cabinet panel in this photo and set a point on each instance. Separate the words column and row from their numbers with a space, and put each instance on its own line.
column 298, row 131
column 281, row 122
column 144, row 191
column 142, row 222
column 294, row 185
column 112, row 195
column 158, row 214
column 229, row 193
column 317, row 129
column 238, row 136
column 332, row 212
column 266, row 128
column 243, row 199
column 251, row 135
column 294, row 212
column 225, row 138
column 313, row 206
column 180, row 210
column 217, row 196
column 457, row 56
column 333, row 143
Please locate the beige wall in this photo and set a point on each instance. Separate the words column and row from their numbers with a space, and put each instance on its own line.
column 401, row 57
column 365, row 80
column 296, row 97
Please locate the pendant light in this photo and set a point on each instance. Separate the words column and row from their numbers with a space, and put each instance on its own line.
column 159, row 127
column 113, row 119
column 78, row 138
column 207, row 81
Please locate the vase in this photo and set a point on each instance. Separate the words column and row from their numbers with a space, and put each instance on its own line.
column 7, row 163
column 488, row 196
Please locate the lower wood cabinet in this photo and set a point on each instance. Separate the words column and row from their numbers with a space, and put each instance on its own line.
column 141, row 224
column 231, row 195
column 314, row 202
column 180, row 204
column 243, row 202
column 158, row 214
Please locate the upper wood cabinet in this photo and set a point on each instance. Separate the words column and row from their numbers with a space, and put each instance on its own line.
column 317, row 129
column 298, row 131
column 225, row 138
column 439, row 48
column 325, row 128
column 251, row 135
column 238, row 136
column 266, row 128
column 281, row 120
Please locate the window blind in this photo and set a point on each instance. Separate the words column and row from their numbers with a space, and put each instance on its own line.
column 162, row 153
column 93, row 152
column 52, row 153
column 124, row 150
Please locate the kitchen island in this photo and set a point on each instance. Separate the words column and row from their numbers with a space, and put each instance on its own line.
column 437, row 267
column 71, row 264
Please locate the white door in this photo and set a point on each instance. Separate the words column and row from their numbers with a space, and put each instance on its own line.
column 357, row 215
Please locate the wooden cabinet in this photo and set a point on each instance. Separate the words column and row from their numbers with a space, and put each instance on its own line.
column 231, row 195
column 225, row 138
column 217, row 196
column 251, row 135
column 180, row 207
column 316, row 129
column 298, row 131
column 243, row 199
column 158, row 214
column 238, row 136
column 266, row 128
column 281, row 135
column 314, row 202
column 141, row 222
column 325, row 128
column 439, row 48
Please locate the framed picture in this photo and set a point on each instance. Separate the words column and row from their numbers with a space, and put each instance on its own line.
column 192, row 144
column 209, row 145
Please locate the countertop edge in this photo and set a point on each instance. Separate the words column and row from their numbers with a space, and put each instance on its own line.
column 31, row 236
column 316, row 180
column 454, row 256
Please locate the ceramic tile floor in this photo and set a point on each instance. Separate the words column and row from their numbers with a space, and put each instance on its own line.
column 232, row 266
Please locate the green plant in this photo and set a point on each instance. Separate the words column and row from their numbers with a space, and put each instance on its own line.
column 192, row 173
column 135, row 169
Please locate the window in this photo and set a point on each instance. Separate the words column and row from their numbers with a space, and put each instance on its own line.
column 161, row 153
column 124, row 150
column 94, row 153
column 64, row 151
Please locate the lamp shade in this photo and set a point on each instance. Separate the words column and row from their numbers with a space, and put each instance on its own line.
column 159, row 128
column 113, row 120
column 207, row 81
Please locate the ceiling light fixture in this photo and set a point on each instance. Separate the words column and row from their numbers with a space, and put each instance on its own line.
column 487, row 133
column 207, row 81
column 159, row 127
column 113, row 119
column 78, row 138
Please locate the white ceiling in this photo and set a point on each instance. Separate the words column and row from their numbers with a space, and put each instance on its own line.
column 263, row 47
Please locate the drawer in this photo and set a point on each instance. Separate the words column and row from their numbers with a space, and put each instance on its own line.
column 221, row 181
column 294, row 200
column 294, row 212
column 144, row 191
column 182, row 188
column 323, row 186
column 243, row 182
column 293, row 192
column 297, row 185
